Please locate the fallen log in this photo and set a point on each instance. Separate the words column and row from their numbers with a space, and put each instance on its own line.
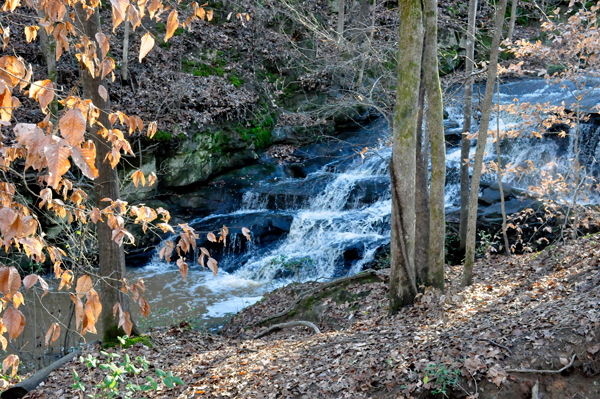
column 19, row 390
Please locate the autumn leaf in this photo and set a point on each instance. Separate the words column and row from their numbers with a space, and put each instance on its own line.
column 183, row 268
column 145, row 47
column 10, row 280
column 57, row 155
column 209, row 15
column 102, row 92
column 125, row 322
column 66, row 279
column 44, row 285
column 212, row 265
column 246, row 233
column 85, row 159
column 30, row 280
column 53, row 334
column 18, row 300
column 211, row 237
column 144, row 307
column 10, row 361
column 42, row 91
column 137, row 177
column 151, row 179
column 103, row 42
column 84, row 285
column 119, row 11
column 31, row 33
column 78, row 311
column 172, row 24
column 14, row 321
column 72, row 126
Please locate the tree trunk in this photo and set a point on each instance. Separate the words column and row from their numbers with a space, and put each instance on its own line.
column 481, row 140
column 111, row 258
column 513, row 18
column 340, row 22
column 468, row 116
column 499, row 159
column 48, row 45
column 422, row 194
column 124, row 62
column 403, row 163
column 434, row 116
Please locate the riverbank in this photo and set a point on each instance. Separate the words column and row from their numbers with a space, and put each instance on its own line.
column 530, row 312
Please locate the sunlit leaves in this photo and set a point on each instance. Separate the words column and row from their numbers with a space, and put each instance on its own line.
column 145, row 47
column 102, row 92
column 246, row 233
column 30, row 280
column 213, row 265
column 85, row 159
column 84, row 285
column 211, row 237
column 137, row 177
column 144, row 307
column 119, row 11
column 42, row 92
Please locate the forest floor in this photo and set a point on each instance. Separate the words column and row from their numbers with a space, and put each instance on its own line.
column 538, row 313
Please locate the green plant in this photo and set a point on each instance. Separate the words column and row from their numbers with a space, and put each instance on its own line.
column 162, row 135
column 485, row 241
column 115, row 374
column 441, row 377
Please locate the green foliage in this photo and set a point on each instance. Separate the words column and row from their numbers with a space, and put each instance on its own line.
column 206, row 67
column 441, row 378
column 233, row 78
column 257, row 131
column 485, row 241
column 117, row 375
column 162, row 135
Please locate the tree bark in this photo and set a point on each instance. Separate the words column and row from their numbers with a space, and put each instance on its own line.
column 481, row 141
column 124, row 61
column 435, row 126
column 422, row 193
column 340, row 22
column 468, row 116
column 513, row 18
column 403, row 163
column 111, row 258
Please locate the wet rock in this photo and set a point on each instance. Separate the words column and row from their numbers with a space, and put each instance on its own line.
column 453, row 136
column 491, row 195
column 368, row 191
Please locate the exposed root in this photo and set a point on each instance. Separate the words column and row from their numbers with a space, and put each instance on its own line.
column 277, row 327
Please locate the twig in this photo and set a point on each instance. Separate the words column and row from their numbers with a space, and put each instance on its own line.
column 285, row 325
column 542, row 371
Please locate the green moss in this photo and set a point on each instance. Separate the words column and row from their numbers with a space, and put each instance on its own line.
column 257, row 131
column 114, row 342
column 161, row 28
column 205, row 68
column 552, row 69
column 233, row 78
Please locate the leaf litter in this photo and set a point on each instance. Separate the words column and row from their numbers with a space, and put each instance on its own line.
column 533, row 312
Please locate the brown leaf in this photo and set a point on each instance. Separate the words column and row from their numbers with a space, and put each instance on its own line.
column 144, row 307
column 78, row 311
column 11, row 361
column 211, row 237
column 213, row 265
column 104, row 44
column 103, row 93
column 172, row 24
column 183, row 268
column 30, row 280
column 14, row 321
column 53, row 334
column 137, row 177
column 85, row 159
column 246, row 233
column 145, row 47
column 84, row 285
column 72, row 126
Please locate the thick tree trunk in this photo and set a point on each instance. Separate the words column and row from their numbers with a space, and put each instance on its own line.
column 513, row 18
column 468, row 116
column 340, row 22
column 422, row 194
column 111, row 257
column 435, row 126
column 481, row 141
column 124, row 61
column 403, row 163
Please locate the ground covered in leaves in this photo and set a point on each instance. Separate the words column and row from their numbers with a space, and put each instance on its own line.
column 536, row 312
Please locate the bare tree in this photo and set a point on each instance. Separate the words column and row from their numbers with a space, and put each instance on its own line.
column 513, row 18
column 435, row 126
column 403, row 288
column 468, row 116
column 481, row 141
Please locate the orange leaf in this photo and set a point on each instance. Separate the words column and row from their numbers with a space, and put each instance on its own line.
column 103, row 93
column 209, row 15
column 104, row 45
column 72, row 126
column 145, row 47
column 78, row 311
column 211, row 237
column 172, row 24
column 138, row 176
column 57, row 156
column 52, row 334
column 30, row 280
column 14, row 321
column 84, row 285
column 31, row 33
column 144, row 307
column 85, row 158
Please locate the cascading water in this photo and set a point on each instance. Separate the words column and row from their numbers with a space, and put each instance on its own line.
column 332, row 221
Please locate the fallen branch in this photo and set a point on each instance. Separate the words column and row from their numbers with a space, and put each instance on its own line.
column 359, row 276
column 285, row 325
column 21, row 389
column 542, row 371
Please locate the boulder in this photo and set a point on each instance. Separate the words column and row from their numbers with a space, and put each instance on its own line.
column 491, row 195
